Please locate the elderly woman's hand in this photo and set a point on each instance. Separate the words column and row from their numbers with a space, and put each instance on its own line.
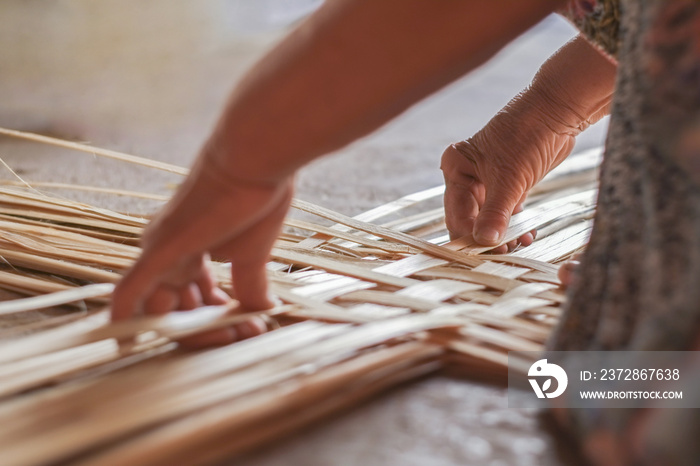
column 488, row 176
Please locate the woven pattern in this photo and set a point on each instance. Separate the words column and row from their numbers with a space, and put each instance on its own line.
column 368, row 302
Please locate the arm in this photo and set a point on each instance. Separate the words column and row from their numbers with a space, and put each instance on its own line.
column 352, row 67
column 346, row 71
column 489, row 175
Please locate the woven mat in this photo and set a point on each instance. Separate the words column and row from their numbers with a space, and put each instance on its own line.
column 367, row 302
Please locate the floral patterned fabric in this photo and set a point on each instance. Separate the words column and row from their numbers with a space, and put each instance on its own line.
column 599, row 21
column 637, row 288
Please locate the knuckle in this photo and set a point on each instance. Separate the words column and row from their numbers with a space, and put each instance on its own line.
column 459, row 227
column 498, row 212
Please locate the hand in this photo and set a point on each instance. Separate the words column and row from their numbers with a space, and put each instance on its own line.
column 210, row 213
column 488, row 176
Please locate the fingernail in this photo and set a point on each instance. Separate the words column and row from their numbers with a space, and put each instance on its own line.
column 488, row 236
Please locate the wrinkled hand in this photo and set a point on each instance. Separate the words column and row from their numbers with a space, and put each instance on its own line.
column 488, row 176
column 210, row 214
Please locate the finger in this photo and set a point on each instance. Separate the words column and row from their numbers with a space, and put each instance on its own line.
column 218, row 337
column 224, row 336
column 162, row 256
column 519, row 207
column 165, row 251
column 161, row 301
column 219, row 296
column 492, row 222
column 175, row 291
column 209, row 290
column 250, row 328
column 527, row 239
column 190, row 298
column 462, row 207
column 157, row 268
column 130, row 293
column 524, row 240
column 463, row 194
column 250, row 285
column 502, row 249
column 250, row 254
column 567, row 272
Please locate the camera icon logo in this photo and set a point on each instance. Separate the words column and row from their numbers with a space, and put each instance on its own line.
column 542, row 369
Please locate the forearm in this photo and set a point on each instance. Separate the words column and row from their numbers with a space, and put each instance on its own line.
column 349, row 69
column 572, row 90
column 488, row 175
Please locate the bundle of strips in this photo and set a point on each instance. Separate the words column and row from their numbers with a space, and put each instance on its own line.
column 369, row 302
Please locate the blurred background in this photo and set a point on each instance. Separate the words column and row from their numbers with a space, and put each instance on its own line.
column 150, row 78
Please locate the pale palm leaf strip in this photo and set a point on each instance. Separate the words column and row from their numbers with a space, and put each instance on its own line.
column 369, row 302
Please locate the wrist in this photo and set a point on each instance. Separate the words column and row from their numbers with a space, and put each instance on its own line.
column 527, row 138
column 574, row 88
column 546, row 106
column 235, row 164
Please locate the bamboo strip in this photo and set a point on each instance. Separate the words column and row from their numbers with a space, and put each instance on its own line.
column 60, row 267
column 25, row 284
column 385, row 233
column 94, row 151
column 383, row 245
column 56, row 299
column 93, row 189
column 172, row 326
column 122, row 417
column 227, row 423
column 342, row 268
column 123, row 394
column 26, row 374
column 41, row 202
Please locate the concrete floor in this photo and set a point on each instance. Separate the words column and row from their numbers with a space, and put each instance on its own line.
column 150, row 77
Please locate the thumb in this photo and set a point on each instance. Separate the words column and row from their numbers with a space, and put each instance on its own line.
column 491, row 223
column 250, row 285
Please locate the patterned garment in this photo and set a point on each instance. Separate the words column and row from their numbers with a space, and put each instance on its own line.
column 598, row 21
column 639, row 283
column 650, row 222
